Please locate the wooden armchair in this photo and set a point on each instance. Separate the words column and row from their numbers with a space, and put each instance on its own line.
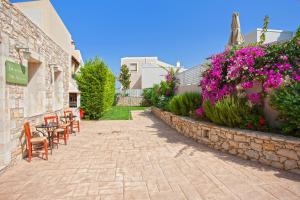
column 60, row 132
column 34, row 143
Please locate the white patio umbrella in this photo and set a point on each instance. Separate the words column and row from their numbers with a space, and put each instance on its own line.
column 236, row 37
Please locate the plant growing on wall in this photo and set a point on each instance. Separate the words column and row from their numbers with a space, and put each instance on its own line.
column 124, row 77
column 96, row 83
column 264, row 30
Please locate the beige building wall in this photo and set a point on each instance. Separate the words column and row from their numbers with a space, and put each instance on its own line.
column 47, row 90
column 44, row 15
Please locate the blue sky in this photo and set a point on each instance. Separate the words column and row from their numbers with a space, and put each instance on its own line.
column 184, row 30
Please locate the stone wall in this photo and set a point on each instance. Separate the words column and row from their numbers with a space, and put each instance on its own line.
column 129, row 101
column 17, row 29
column 275, row 150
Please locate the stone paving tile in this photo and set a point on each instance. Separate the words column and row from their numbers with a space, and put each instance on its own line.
column 142, row 159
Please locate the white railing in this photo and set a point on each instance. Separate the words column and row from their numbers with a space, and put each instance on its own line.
column 131, row 92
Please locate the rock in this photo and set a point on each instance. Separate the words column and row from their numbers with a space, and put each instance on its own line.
column 264, row 161
column 277, row 165
column 252, row 154
column 214, row 137
column 290, row 164
column 233, row 151
column 243, row 145
column 256, row 147
column 233, row 144
column 225, row 146
column 288, row 153
column 240, row 138
column 269, row 147
column 270, row 155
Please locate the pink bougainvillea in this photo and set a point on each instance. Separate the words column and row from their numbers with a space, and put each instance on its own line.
column 241, row 68
column 200, row 112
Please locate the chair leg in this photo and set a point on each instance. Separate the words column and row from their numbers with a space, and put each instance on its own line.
column 46, row 149
column 65, row 136
column 29, row 152
column 78, row 126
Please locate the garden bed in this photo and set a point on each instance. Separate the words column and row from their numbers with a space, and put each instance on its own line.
column 282, row 152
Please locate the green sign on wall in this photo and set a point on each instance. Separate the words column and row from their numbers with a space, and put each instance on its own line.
column 16, row 73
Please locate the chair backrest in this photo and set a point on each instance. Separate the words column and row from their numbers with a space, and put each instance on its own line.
column 68, row 115
column 27, row 132
column 51, row 119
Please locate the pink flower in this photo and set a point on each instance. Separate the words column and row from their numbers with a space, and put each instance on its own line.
column 254, row 98
column 247, row 85
column 284, row 58
column 200, row 112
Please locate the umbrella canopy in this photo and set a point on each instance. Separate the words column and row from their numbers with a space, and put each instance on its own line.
column 236, row 37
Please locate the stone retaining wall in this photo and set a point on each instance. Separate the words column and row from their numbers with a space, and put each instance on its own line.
column 275, row 150
column 129, row 101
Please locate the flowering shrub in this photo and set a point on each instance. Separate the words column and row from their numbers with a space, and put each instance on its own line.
column 241, row 67
column 163, row 93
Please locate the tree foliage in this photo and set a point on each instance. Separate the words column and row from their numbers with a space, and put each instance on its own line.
column 124, row 77
column 96, row 83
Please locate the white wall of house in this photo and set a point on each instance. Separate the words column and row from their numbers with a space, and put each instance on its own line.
column 145, row 71
column 152, row 74
column 271, row 36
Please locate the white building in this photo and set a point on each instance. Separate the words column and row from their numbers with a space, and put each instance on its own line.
column 146, row 71
column 271, row 36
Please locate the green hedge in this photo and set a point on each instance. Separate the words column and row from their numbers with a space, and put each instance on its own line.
column 96, row 83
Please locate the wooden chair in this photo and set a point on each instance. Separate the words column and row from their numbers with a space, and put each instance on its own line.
column 69, row 117
column 61, row 132
column 34, row 142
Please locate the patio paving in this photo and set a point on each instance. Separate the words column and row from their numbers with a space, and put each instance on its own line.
column 142, row 159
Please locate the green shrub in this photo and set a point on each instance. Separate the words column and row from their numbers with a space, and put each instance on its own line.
column 211, row 113
column 147, row 95
column 96, row 83
column 185, row 104
column 286, row 100
column 230, row 111
column 175, row 105
column 155, row 95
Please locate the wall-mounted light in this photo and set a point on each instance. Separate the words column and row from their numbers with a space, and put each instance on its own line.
column 25, row 51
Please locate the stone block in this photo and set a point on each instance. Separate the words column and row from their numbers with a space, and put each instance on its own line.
column 252, row 154
column 225, row 145
column 255, row 146
column 233, row 151
column 240, row 138
column 269, row 146
column 277, row 165
column 290, row 164
column 213, row 137
column 288, row 153
column 270, row 155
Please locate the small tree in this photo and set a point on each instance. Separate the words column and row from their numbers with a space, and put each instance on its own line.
column 124, row 77
column 96, row 83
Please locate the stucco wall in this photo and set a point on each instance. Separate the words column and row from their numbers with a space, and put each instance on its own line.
column 271, row 36
column 152, row 74
column 17, row 29
column 44, row 15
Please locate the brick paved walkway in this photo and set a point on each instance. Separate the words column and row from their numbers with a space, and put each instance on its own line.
column 142, row 159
